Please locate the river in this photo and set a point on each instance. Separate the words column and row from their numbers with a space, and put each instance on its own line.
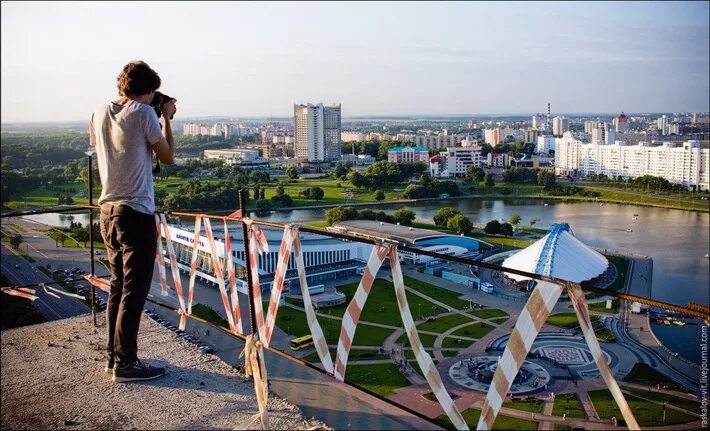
column 676, row 240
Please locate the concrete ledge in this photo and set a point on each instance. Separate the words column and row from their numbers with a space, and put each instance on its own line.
column 53, row 378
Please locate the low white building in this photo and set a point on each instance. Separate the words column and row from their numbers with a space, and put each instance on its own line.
column 459, row 159
column 238, row 156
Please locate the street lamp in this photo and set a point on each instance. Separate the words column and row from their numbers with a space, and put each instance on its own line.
column 89, row 155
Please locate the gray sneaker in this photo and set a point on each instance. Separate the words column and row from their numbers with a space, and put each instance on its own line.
column 136, row 371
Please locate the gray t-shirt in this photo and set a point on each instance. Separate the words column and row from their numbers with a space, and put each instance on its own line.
column 123, row 136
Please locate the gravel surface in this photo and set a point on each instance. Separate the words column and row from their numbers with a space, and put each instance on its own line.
column 53, row 378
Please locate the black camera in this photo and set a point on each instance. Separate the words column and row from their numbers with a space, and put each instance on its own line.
column 159, row 99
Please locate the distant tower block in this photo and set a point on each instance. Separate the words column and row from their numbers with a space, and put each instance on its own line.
column 548, row 116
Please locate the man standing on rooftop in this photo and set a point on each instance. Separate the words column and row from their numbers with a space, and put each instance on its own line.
column 126, row 133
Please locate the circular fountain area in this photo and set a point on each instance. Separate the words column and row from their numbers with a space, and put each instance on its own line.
column 477, row 373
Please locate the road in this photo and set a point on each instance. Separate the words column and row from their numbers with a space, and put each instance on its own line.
column 21, row 272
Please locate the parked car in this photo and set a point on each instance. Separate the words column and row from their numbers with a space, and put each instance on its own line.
column 207, row 349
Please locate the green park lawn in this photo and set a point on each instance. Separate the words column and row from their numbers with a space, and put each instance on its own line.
column 354, row 355
column 426, row 339
column 683, row 403
column 600, row 307
column 440, row 294
column 533, row 406
column 443, row 323
column 455, row 343
column 477, row 330
column 332, row 193
column 381, row 379
column 647, row 413
column 621, row 196
column 564, row 320
column 488, row 313
column 575, row 406
column 647, row 375
column 501, row 423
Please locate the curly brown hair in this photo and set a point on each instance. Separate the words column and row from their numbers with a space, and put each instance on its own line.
column 137, row 79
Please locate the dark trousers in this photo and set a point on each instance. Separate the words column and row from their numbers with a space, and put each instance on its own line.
column 130, row 237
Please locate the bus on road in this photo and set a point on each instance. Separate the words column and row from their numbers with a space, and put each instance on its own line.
column 302, row 342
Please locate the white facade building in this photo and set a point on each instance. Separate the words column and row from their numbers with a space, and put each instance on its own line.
column 603, row 134
column 436, row 142
column 686, row 164
column 492, row 136
column 317, row 132
column 559, row 125
column 545, row 144
column 459, row 159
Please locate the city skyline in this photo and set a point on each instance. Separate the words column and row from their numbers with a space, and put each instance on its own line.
column 384, row 59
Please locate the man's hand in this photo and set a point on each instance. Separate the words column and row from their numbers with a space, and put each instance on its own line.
column 169, row 108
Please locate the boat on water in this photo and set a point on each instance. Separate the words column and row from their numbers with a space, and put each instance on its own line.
column 629, row 230
column 659, row 322
column 679, row 322
column 667, row 323
column 707, row 256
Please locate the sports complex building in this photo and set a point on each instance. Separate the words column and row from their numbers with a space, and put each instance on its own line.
column 325, row 258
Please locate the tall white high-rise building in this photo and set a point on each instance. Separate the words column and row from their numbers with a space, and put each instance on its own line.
column 317, row 132
column 662, row 124
column 602, row 134
column 559, row 125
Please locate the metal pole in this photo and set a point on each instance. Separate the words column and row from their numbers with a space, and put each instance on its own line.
column 248, row 263
column 91, row 235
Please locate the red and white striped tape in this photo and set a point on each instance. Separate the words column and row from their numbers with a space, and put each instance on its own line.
column 193, row 262
column 541, row 302
column 159, row 258
column 99, row 283
column 22, row 292
column 177, row 281
column 236, row 313
column 423, row 359
column 316, row 331
column 257, row 246
column 255, row 367
column 352, row 313
column 219, row 275
column 579, row 302
column 278, row 283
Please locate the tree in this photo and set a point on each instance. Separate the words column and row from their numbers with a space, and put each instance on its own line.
column 292, row 172
column 443, row 215
column 317, row 193
column 506, row 229
column 546, row 178
column 56, row 235
column 357, row 179
column 379, row 195
column 404, row 216
column 514, row 218
column 475, row 174
column 533, row 221
column 492, row 227
column 262, row 206
column 306, row 193
column 280, row 191
column 489, row 180
column 414, row 191
column 339, row 214
column 460, row 224
column 16, row 240
column 340, row 170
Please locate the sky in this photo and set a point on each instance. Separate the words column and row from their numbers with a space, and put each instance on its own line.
column 60, row 60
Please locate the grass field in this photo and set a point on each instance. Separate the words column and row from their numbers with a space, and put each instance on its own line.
column 533, row 406
column 564, row 320
column 354, row 355
column 683, row 403
column 501, row 423
column 575, row 406
column 381, row 379
column 426, row 339
column 443, row 323
column 440, row 294
column 455, row 343
column 488, row 313
column 477, row 330
column 647, row 375
column 647, row 414
column 600, row 307
column 625, row 197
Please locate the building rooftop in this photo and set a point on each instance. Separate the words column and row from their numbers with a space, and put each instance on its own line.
column 386, row 230
column 53, row 378
column 411, row 148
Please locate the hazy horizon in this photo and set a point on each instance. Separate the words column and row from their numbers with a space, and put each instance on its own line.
column 255, row 60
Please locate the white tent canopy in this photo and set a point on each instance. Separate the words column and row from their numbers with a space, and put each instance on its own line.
column 558, row 254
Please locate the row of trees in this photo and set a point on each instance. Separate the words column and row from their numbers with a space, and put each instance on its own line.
column 385, row 173
column 453, row 220
column 428, row 187
column 402, row 216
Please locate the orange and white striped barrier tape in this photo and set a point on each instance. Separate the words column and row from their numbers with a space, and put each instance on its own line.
column 219, row 275
column 541, row 302
column 255, row 367
column 22, row 292
column 316, row 331
column 532, row 318
column 277, row 286
column 257, row 245
column 579, row 301
column 175, row 270
column 193, row 262
column 231, row 276
column 99, row 283
column 423, row 359
column 159, row 259
column 352, row 313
